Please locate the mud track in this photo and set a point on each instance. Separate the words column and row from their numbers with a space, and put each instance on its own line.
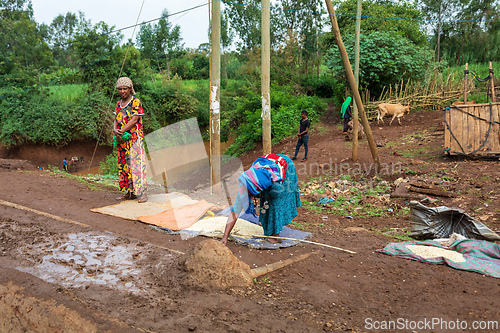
column 116, row 275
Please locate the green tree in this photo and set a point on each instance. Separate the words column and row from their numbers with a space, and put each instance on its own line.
column 385, row 59
column 399, row 17
column 437, row 11
column 245, row 19
column 160, row 41
column 469, row 39
column 227, row 37
column 192, row 65
column 95, row 47
column 24, row 55
column 302, row 22
column 62, row 32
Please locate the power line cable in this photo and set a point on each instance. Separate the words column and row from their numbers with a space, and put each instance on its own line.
column 363, row 16
column 121, row 70
column 230, row 3
column 185, row 11
column 113, row 95
column 99, row 60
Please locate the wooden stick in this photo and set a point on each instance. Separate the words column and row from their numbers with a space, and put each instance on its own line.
column 62, row 219
column 433, row 191
column 295, row 239
column 259, row 271
column 493, row 96
column 352, row 84
column 54, row 217
column 465, row 82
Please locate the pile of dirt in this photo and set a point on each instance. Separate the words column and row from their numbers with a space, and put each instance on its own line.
column 211, row 264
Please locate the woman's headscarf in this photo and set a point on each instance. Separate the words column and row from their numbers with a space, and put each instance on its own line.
column 345, row 105
column 261, row 175
column 125, row 82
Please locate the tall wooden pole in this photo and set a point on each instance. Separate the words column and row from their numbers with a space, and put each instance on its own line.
column 352, row 83
column 266, row 78
column 493, row 96
column 215, row 99
column 465, row 82
column 356, row 77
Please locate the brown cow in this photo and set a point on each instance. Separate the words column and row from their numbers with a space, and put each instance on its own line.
column 394, row 110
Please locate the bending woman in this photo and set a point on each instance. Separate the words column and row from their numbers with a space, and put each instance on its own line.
column 273, row 179
column 128, row 130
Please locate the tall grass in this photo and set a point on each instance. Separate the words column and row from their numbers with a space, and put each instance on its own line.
column 68, row 92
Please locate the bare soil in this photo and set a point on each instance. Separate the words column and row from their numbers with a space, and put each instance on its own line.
column 107, row 274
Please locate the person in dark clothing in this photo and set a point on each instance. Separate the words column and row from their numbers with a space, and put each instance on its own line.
column 303, row 135
column 346, row 113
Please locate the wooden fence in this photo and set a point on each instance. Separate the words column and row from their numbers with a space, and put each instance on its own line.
column 472, row 129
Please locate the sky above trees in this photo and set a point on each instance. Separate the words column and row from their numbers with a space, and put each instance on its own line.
column 124, row 13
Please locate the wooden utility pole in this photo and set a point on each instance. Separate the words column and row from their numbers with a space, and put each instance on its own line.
column 493, row 96
column 352, row 83
column 266, row 78
column 466, row 72
column 215, row 99
column 356, row 77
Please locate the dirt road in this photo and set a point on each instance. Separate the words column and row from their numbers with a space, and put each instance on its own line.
column 115, row 275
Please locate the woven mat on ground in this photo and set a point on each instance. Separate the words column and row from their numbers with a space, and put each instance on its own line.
column 244, row 233
column 480, row 256
column 178, row 218
column 157, row 203
column 262, row 243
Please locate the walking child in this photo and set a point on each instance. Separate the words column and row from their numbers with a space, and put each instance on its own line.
column 303, row 135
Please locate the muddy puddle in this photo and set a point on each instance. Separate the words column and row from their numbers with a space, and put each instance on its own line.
column 80, row 260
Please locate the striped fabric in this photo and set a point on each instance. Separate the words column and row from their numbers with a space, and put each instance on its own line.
column 259, row 177
column 280, row 162
column 481, row 256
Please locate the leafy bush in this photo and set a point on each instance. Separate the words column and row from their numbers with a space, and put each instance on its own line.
column 165, row 104
column 385, row 59
column 110, row 165
column 245, row 120
column 200, row 91
column 192, row 65
column 324, row 86
column 40, row 119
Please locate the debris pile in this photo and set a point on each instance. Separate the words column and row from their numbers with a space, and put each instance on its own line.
column 346, row 196
column 211, row 264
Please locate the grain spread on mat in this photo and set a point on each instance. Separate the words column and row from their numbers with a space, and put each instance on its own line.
column 427, row 252
column 216, row 225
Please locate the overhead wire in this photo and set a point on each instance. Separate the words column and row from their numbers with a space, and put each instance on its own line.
column 362, row 16
column 99, row 60
column 113, row 94
column 230, row 3
column 184, row 11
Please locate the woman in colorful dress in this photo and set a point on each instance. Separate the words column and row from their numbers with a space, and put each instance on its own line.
column 128, row 129
column 273, row 179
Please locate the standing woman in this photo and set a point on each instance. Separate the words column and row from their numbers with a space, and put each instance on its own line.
column 345, row 111
column 129, row 133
